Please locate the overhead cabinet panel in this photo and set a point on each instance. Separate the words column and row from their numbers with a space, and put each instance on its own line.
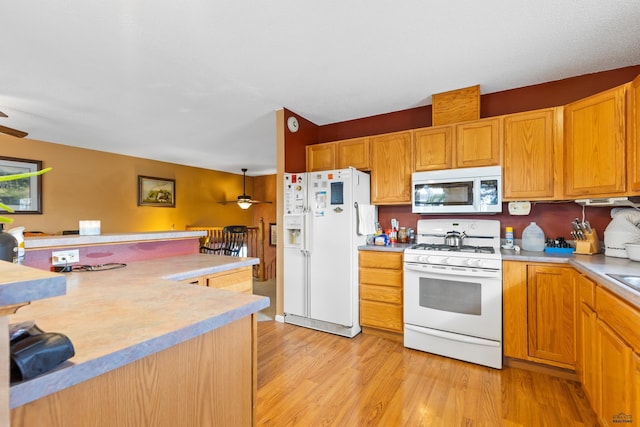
column 478, row 143
column 321, row 157
column 528, row 165
column 595, row 156
column 391, row 168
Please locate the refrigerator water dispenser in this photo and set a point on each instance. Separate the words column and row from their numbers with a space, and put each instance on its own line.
column 293, row 231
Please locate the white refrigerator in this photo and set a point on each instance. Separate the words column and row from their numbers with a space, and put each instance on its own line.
column 321, row 249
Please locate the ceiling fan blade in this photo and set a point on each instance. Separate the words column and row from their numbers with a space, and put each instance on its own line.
column 226, row 202
column 13, row 132
column 3, row 114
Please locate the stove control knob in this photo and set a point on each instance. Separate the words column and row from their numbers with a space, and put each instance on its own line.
column 482, row 264
column 471, row 262
column 422, row 258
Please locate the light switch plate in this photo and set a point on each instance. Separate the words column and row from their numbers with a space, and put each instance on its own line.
column 519, row 208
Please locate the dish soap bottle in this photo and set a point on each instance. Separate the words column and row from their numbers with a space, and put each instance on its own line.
column 533, row 238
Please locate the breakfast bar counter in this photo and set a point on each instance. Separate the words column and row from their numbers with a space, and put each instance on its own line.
column 143, row 338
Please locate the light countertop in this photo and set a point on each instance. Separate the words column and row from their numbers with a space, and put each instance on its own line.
column 77, row 240
column 118, row 316
column 20, row 284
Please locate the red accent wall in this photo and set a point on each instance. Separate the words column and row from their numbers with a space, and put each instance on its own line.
column 554, row 218
column 295, row 143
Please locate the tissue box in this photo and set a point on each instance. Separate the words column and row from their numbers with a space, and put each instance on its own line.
column 89, row 228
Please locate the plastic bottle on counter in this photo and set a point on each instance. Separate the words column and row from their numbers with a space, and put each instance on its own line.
column 508, row 236
column 393, row 239
column 533, row 238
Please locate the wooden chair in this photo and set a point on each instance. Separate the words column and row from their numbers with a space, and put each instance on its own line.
column 234, row 237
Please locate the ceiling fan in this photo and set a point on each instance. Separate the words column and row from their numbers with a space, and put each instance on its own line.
column 243, row 200
column 10, row 131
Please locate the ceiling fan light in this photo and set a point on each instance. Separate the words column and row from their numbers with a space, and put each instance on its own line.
column 244, row 202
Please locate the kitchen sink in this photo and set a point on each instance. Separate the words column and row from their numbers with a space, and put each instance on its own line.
column 627, row 279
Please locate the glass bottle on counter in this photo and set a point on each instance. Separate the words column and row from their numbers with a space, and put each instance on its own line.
column 402, row 235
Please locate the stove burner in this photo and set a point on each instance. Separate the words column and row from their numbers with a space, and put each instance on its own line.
column 447, row 248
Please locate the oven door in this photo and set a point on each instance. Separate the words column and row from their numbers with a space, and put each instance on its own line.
column 454, row 300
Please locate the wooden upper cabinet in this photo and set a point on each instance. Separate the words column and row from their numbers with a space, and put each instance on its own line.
column 353, row 152
column 433, row 148
column 391, row 157
column 594, row 140
column 532, row 163
column 321, row 157
column 633, row 135
column 477, row 143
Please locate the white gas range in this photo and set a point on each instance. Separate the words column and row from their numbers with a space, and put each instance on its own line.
column 453, row 290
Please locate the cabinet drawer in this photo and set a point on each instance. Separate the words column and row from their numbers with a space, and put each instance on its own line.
column 381, row 315
column 619, row 316
column 380, row 276
column 240, row 280
column 381, row 293
column 381, row 259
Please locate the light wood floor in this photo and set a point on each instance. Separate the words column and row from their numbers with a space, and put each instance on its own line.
column 310, row 378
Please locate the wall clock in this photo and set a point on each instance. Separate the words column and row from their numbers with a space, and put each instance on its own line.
column 292, row 124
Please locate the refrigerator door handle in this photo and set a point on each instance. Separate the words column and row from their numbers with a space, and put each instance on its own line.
column 306, row 240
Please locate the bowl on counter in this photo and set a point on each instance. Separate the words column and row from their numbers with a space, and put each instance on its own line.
column 633, row 250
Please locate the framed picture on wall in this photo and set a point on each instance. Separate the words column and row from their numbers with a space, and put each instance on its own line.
column 24, row 195
column 273, row 234
column 160, row 192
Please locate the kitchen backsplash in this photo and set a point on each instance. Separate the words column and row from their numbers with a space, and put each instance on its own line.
column 554, row 218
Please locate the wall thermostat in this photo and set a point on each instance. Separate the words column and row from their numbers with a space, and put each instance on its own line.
column 519, row 208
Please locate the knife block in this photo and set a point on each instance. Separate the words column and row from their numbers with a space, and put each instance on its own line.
column 590, row 246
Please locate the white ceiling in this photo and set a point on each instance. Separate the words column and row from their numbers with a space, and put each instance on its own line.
column 197, row 82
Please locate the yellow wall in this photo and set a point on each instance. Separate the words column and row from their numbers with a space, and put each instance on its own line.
column 88, row 184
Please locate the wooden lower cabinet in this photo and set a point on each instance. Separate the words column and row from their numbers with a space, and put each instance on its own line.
column 381, row 287
column 551, row 314
column 238, row 279
column 617, row 349
column 539, row 313
column 555, row 316
column 615, row 365
column 588, row 355
column 210, row 380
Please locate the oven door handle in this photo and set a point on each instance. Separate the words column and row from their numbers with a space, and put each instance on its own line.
column 453, row 337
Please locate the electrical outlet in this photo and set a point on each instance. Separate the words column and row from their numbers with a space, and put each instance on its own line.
column 65, row 257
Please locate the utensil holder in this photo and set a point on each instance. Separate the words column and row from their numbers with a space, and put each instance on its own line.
column 590, row 246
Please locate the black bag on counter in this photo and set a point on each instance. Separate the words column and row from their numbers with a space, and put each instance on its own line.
column 34, row 352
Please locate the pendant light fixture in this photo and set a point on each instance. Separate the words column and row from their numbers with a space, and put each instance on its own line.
column 244, row 201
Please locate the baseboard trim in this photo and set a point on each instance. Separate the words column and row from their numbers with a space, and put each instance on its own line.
column 279, row 318
column 541, row 368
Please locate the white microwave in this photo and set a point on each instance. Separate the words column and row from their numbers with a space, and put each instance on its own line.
column 457, row 191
